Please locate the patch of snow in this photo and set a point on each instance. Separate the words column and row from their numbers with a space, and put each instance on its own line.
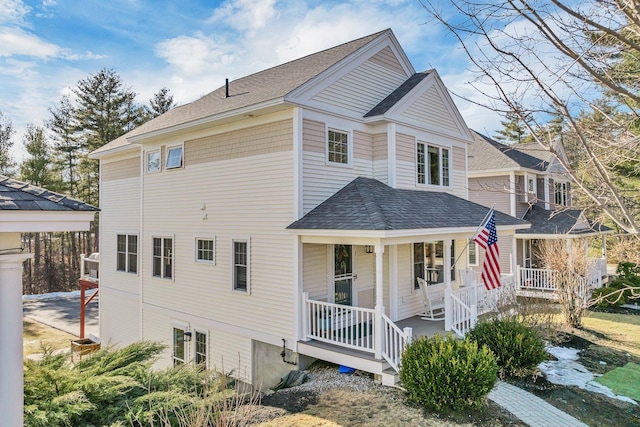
column 566, row 371
column 56, row 295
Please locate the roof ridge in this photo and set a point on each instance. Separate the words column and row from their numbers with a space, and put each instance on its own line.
column 376, row 214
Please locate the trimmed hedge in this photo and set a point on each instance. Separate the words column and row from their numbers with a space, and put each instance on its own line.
column 518, row 348
column 447, row 373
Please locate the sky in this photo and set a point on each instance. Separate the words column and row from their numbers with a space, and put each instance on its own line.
column 191, row 46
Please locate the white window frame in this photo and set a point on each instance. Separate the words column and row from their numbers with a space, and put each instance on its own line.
column 564, row 193
column 349, row 147
column 246, row 241
column 169, row 149
column 162, row 274
column 476, row 250
column 156, row 162
column 176, row 361
column 194, row 338
column 444, row 165
column 196, row 249
column 127, row 253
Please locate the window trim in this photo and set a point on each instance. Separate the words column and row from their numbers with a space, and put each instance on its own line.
column 148, row 163
column 247, row 241
column 349, row 147
column 196, row 250
column 185, row 347
column 564, row 193
column 444, row 170
column 168, row 150
column 162, row 257
column 472, row 244
column 204, row 332
column 127, row 254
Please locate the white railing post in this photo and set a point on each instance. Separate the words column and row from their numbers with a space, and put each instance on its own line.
column 474, row 316
column 82, row 265
column 378, row 331
column 517, row 279
column 305, row 316
column 448, row 308
column 408, row 335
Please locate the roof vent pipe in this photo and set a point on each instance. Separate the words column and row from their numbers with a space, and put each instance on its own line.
column 226, row 88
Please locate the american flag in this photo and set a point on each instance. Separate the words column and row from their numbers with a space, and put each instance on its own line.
column 487, row 238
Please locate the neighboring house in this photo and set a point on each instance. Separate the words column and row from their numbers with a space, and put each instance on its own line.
column 529, row 182
column 25, row 208
column 286, row 216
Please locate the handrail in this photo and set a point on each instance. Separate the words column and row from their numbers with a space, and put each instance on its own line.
column 342, row 325
column 394, row 343
column 463, row 309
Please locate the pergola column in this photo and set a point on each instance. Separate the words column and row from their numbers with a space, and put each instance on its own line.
column 11, row 368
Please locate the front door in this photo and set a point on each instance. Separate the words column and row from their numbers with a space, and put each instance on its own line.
column 343, row 274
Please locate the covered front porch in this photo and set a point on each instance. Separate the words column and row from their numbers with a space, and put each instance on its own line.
column 361, row 253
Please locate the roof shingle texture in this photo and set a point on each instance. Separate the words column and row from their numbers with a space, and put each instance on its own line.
column 555, row 222
column 485, row 153
column 395, row 96
column 17, row 195
column 368, row 204
column 263, row 86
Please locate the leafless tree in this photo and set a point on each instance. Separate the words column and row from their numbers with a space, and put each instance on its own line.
column 571, row 72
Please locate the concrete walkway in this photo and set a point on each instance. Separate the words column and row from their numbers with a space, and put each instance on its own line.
column 63, row 313
column 530, row 409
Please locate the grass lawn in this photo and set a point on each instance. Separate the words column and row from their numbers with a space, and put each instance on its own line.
column 624, row 380
column 35, row 335
column 620, row 331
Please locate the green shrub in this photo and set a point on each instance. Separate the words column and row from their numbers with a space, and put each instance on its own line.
column 447, row 373
column 609, row 298
column 518, row 348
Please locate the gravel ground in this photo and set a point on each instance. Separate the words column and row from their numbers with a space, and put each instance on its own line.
column 357, row 400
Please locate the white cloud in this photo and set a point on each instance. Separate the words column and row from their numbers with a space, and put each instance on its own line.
column 195, row 55
column 14, row 41
column 245, row 15
column 13, row 11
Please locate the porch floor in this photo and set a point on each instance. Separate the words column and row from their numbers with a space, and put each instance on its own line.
column 423, row 328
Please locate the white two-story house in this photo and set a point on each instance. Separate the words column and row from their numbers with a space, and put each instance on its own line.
column 529, row 182
column 286, row 215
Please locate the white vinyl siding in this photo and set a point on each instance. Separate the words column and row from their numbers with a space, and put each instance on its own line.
column 430, row 112
column 490, row 191
column 258, row 202
column 119, row 214
column 315, row 271
column 361, row 89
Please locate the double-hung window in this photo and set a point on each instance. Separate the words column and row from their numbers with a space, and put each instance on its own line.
column 163, row 257
column 337, row 147
column 127, row 253
column 205, row 250
column 201, row 349
column 432, row 165
column 472, row 253
column 241, row 274
column 562, row 194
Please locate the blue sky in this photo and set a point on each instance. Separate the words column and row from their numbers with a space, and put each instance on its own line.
column 191, row 46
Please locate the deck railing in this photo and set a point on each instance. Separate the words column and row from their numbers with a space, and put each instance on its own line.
column 464, row 311
column 394, row 342
column 537, row 279
column 346, row 326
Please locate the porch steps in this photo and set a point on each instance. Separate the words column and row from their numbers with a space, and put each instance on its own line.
column 356, row 359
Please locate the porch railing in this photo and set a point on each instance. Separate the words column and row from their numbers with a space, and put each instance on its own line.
column 394, row 342
column 537, row 279
column 464, row 311
column 346, row 326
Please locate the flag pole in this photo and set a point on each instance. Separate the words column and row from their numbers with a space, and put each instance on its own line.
column 466, row 247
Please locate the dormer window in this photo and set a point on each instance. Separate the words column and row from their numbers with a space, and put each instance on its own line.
column 433, row 166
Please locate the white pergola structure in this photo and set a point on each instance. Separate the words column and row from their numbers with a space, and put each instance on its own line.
column 24, row 209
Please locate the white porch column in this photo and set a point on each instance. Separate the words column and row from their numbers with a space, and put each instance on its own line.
column 547, row 205
column 11, row 373
column 448, row 305
column 379, row 249
column 514, row 254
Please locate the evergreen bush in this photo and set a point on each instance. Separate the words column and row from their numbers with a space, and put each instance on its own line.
column 518, row 348
column 608, row 297
column 446, row 373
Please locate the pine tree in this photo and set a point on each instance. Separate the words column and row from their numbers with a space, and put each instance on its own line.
column 6, row 132
column 161, row 102
column 36, row 167
column 66, row 145
column 514, row 130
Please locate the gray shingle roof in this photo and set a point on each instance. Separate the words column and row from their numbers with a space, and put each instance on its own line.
column 267, row 85
column 17, row 195
column 395, row 96
column 558, row 222
column 368, row 204
column 487, row 154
